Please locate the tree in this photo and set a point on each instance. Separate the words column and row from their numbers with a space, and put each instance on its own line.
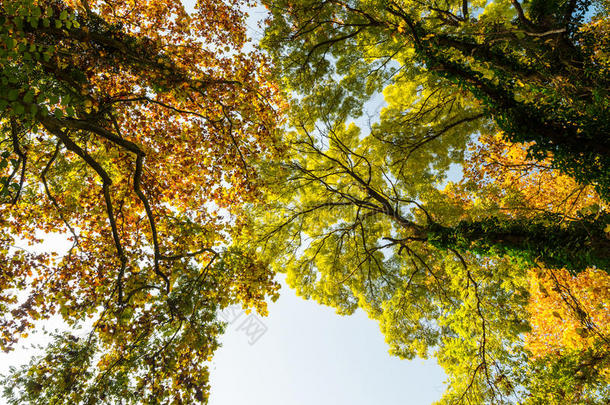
column 340, row 224
column 569, row 337
column 567, row 347
column 135, row 128
column 535, row 68
column 501, row 175
column 359, row 219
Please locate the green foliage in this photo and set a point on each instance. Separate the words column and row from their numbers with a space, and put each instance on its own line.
column 543, row 239
column 529, row 69
column 355, row 216
column 572, row 378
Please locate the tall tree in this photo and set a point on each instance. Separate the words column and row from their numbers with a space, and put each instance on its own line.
column 135, row 128
column 536, row 68
column 351, row 233
column 566, row 350
column 358, row 218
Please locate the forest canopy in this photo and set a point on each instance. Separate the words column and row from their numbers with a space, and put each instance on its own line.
column 189, row 166
column 134, row 128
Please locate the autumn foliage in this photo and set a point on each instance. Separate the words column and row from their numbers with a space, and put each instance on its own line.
column 134, row 128
column 569, row 313
column 510, row 181
column 469, row 217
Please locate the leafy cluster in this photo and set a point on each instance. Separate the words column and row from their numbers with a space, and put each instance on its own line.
column 516, row 94
column 134, row 131
column 474, row 201
column 542, row 239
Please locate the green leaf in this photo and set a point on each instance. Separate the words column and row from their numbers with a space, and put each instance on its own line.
column 13, row 94
column 28, row 97
column 10, row 42
column 18, row 108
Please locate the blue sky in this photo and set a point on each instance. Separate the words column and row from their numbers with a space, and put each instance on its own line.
column 310, row 355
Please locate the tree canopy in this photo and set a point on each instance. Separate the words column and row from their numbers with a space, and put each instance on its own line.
column 367, row 217
column 135, row 129
column 468, row 216
column 535, row 68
